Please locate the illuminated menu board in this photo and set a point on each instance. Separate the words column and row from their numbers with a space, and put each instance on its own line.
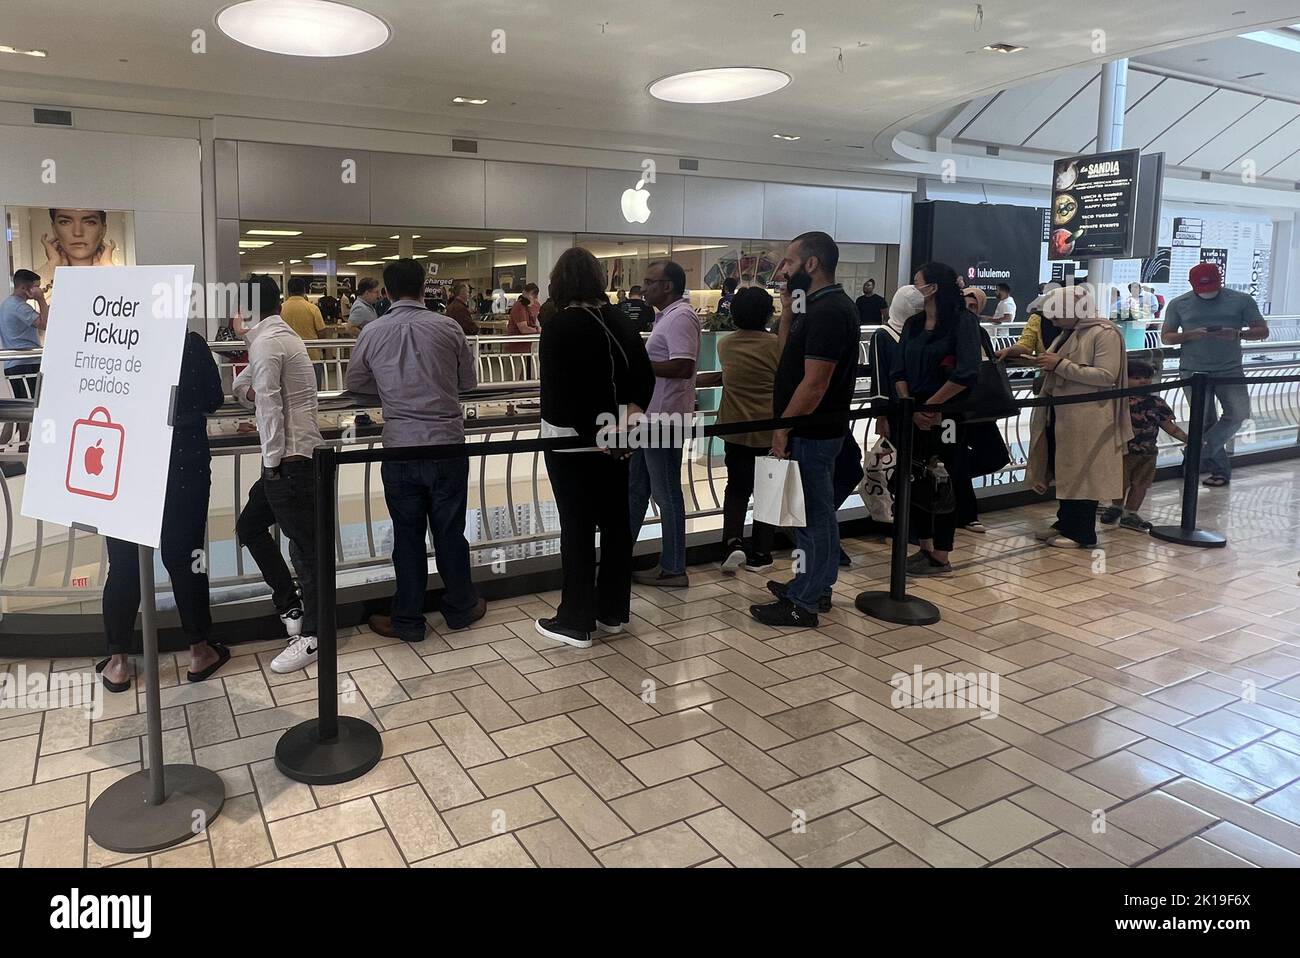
column 1093, row 198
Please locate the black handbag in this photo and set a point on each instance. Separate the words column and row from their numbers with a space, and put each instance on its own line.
column 990, row 398
column 986, row 450
column 932, row 489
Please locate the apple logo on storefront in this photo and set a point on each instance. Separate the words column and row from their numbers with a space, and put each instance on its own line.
column 636, row 203
column 95, row 458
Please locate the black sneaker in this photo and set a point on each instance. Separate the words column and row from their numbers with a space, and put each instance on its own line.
column 758, row 561
column 922, row 563
column 780, row 590
column 735, row 556
column 562, row 633
column 1135, row 522
column 1110, row 514
column 784, row 613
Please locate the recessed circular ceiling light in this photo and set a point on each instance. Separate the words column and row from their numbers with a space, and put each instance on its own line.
column 302, row 28
column 718, row 85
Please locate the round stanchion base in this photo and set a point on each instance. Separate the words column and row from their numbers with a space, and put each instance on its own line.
column 908, row 610
column 303, row 756
column 1194, row 537
column 122, row 820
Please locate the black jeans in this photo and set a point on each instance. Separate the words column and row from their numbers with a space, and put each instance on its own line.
column 429, row 496
column 185, row 516
column 735, row 501
column 290, row 503
column 1077, row 519
column 590, row 491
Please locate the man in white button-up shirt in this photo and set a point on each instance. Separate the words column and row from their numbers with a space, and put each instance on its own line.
column 280, row 385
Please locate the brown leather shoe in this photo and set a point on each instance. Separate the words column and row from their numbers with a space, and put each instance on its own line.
column 383, row 625
column 475, row 614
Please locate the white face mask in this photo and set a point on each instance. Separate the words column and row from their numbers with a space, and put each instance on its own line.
column 910, row 299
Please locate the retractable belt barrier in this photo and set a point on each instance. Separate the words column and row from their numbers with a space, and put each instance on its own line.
column 332, row 748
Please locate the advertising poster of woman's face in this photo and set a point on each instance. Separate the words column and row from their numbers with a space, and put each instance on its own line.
column 43, row 239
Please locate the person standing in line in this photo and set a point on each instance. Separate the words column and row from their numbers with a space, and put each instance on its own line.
column 363, row 310
column 279, row 386
column 816, row 375
column 1005, row 310
column 674, row 349
column 458, row 309
column 748, row 357
column 181, row 546
column 305, row 319
column 638, row 310
column 1149, row 415
column 594, row 368
column 1079, row 446
column 20, row 328
column 938, row 359
column 345, row 306
column 1209, row 322
column 418, row 363
column 872, row 307
column 383, row 304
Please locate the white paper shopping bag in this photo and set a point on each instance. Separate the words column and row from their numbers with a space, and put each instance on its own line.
column 778, row 492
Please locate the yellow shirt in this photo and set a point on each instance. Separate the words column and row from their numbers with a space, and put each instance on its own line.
column 304, row 318
column 1032, row 337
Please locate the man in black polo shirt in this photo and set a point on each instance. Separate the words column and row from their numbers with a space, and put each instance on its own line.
column 818, row 368
column 871, row 305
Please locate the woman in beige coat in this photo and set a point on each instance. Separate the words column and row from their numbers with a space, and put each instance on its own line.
column 1079, row 446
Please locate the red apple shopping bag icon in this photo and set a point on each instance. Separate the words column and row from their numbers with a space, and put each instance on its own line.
column 95, row 457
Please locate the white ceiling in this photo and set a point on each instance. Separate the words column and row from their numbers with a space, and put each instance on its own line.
column 1192, row 104
column 575, row 71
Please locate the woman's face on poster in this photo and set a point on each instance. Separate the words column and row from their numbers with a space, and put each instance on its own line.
column 80, row 233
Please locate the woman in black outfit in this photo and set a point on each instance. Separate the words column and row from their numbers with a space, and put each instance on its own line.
column 936, row 360
column 593, row 365
column 185, row 517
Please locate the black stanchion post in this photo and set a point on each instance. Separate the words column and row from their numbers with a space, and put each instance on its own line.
column 168, row 804
column 1186, row 532
column 896, row 605
column 328, row 749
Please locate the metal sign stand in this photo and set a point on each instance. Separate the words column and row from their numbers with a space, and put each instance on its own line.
column 165, row 804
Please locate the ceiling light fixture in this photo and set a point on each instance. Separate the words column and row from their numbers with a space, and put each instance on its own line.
column 302, row 28
column 718, row 85
column 1003, row 48
column 459, row 249
column 511, row 239
column 356, row 246
column 316, row 255
column 272, row 232
column 294, row 262
column 366, row 262
column 469, row 100
column 784, row 136
column 254, row 244
column 40, row 54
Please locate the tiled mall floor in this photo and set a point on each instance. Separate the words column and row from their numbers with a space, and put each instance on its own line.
column 1149, row 715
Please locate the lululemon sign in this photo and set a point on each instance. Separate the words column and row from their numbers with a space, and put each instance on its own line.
column 101, row 434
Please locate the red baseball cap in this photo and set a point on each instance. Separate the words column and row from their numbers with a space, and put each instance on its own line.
column 1205, row 278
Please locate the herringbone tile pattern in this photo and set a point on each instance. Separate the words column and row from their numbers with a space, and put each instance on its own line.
column 1148, row 713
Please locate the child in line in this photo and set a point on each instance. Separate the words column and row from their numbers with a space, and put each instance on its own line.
column 1150, row 414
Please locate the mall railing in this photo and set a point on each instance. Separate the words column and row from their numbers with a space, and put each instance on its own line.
column 46, row 567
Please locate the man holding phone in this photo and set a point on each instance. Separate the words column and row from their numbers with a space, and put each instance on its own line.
column 1209, row 322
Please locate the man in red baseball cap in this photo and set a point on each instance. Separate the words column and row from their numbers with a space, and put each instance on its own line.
column 1209, row 322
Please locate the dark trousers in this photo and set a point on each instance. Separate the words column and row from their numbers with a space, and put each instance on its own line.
column 426, row 496
column 185, row 516
column 1077, row 519
column 290, row 503
column 590, row 491
column 939, row 527
column 735, row 501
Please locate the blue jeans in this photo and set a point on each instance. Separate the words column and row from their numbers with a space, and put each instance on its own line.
column 423, row 496
column 1220, row 427
column 819, row 539
column 658, row 472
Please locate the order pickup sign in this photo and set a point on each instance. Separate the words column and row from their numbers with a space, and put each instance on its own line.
column 101, row 435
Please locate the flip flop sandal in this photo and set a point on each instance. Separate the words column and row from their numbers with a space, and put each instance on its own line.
column 223, row 656
column 109, row 683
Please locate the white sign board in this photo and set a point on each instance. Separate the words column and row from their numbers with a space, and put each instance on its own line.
column 101, row 436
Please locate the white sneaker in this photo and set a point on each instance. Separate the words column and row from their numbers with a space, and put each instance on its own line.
column 609, row 628
column 300, row 653
column 1063, row 542
column 292, row 621
column 734, row 560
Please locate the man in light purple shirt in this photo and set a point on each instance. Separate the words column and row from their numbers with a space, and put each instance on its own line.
column 417, row 362
column 674, row 348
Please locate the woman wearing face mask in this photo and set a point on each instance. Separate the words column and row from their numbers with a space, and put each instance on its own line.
column 907, row 302
column 936, row 360
column 1079, row 446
